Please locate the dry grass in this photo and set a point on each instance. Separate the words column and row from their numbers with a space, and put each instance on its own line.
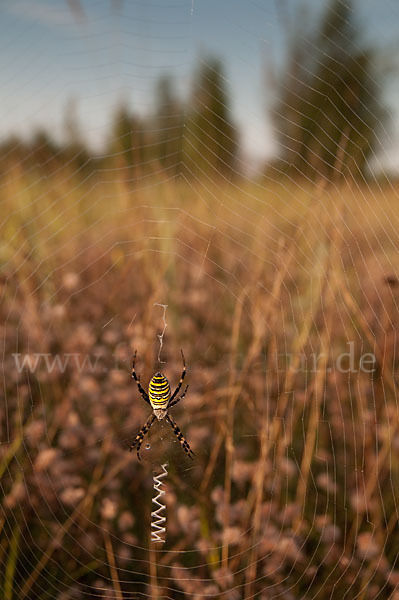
column 293, row 491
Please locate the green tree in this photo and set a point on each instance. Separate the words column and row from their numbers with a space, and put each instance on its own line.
column 128, row 143
column 210, row 139
column 75, row 152
column 328, row 108
column 43, row 152
column 168, row 124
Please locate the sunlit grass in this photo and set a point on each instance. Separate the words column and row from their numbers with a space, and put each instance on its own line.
column 295, row 468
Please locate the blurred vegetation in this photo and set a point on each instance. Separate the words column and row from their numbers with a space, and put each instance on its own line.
column 329, row 99
column 129, row 145
column 196, row 138
column 294, row 483
column 328, row 107
column 210, row 143
column 169, row 126
column 293, row 491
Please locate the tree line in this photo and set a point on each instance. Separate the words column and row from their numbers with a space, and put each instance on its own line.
column 327, row 117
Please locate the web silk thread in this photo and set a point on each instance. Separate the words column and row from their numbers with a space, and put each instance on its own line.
column 157, row 524
column 161, row 335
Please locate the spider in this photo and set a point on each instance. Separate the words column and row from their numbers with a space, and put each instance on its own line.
column 160, row 399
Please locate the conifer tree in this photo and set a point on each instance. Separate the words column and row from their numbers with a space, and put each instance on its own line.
column 210, row 138
column 168, row 125
column 329, row 104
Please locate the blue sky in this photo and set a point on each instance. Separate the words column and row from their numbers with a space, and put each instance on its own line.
column 118, row 48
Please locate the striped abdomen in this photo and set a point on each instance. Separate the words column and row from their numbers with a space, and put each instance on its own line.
column 159, row 391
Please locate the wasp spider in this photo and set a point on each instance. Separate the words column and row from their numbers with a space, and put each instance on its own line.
column 161, row 400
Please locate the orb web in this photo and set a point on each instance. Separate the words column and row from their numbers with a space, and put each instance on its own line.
column 241, row 206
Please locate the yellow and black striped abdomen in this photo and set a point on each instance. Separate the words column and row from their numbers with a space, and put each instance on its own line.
column 159, row 391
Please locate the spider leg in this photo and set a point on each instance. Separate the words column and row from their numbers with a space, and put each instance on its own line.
column 137, row 380
column 178, row 399
column 140, row 436
column 180, row 436
column 177, row 390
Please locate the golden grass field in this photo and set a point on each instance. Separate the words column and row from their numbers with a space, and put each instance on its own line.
column 293, row 492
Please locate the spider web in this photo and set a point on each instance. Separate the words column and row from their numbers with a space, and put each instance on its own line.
column 281, row 292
